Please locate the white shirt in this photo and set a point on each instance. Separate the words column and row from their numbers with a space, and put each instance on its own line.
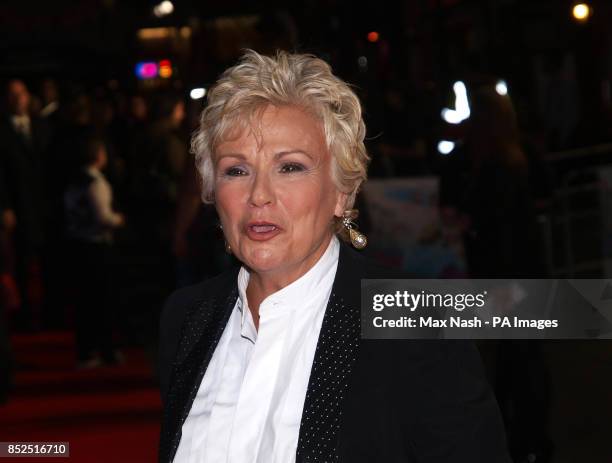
column 89, row 212
column 249, row 405
column 101, row 195
column 22, row 124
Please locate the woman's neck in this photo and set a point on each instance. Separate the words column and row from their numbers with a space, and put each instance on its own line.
column 263, row 284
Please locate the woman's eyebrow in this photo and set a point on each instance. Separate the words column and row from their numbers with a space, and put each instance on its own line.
column 240, row 156
column 277, row 156
column 280, row 154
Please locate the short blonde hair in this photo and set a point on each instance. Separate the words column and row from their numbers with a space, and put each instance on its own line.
column 286, row 79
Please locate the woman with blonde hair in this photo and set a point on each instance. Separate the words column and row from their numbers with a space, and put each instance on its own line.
column 265, row 363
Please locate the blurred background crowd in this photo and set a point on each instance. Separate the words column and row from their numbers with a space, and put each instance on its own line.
column 505, row 105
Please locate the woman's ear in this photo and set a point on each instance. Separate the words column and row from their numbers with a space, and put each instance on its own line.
column 341, row 199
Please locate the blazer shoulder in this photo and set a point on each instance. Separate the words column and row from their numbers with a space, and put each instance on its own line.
column 173, row 316
column 179, row 301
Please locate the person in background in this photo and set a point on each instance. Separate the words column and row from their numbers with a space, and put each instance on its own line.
column 486, row 187
column 134, row 138
column 53, row 116
column 487, row 181
column 154, row 185
column 106, row 128
column 162, row 165
column 49, row 94
column 24, row 140
column 90, row 221
column 9, row 295
column 138, row 112
column 197, row 243
column 402, row 142
column 133, row 129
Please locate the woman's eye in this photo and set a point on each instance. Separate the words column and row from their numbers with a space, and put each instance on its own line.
column 234, row 172
column 292, row 167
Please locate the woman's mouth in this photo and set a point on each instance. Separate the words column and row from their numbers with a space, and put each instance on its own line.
column 262, row 231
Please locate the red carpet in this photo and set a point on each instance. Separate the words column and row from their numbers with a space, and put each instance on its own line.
column 107, row 414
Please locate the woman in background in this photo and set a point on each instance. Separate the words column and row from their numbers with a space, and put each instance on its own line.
column 487, row 185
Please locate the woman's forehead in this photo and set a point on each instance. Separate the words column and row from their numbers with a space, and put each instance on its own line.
column 275, row 127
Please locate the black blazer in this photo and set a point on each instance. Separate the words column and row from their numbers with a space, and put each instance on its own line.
column 22, row 162
column 388, row 401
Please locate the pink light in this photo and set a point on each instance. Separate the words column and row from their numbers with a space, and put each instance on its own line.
column 146, row 70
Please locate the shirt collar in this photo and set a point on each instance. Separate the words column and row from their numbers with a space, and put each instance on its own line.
column 295, row 293
column 20, row 121
column 94, row 171
column 49, row 109
column 247, row 325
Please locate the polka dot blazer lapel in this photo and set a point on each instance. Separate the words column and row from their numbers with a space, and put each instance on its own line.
column 335, row 356
column 200, row 334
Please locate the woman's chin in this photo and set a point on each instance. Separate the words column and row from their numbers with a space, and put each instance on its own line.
column 263, row 260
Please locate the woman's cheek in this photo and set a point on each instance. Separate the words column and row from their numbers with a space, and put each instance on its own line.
column 228, row 193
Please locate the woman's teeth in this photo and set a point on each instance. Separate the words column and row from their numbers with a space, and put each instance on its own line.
column 263, row 228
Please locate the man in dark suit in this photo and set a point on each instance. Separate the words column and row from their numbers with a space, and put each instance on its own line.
column 24, row 140
column 391, row 401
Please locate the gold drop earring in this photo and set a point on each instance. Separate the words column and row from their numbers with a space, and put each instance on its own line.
column 358, row 239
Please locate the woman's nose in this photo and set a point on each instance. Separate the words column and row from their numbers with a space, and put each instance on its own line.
column 261, row 191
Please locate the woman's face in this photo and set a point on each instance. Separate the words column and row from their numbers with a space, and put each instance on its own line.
column 275, row 194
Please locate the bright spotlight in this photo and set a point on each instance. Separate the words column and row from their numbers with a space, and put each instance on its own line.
column 163, row 9
column 197, row 93
column 501, row 88
column 581, row 12
column 166, row 6
column 451, row 116
column 462, row 107
column 445, row 147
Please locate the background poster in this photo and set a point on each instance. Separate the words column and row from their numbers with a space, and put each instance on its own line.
column 406, row 230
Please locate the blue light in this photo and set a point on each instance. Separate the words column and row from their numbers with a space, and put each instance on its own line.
column 146, row 70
